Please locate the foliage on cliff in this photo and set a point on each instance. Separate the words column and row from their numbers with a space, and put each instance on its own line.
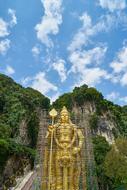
column 111, row 163
column 115, row 164
column 18, row 103
column 81, row 95
column 101, row 148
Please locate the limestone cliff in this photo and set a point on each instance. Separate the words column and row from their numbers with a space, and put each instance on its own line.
column 104, row 125
column 106, row 119
column 19, row 125
column 23, row 121
column 102, row 122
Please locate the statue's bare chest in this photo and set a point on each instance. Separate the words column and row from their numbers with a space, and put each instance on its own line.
column 65, row 133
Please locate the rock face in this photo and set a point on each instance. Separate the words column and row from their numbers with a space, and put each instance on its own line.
column 21, row 112
column 15, row 167
column 23, row 133
column 81, row 117
column 105, row 125
column 105, row 129
column 19, row 123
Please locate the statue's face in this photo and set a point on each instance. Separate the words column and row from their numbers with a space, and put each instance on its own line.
column 64, row 117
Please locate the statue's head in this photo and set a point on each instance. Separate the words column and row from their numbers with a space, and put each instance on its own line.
column 64, row 115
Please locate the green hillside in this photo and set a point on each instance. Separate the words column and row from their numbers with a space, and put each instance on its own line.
column 110, row 163
column 18, row 104
column 83, row 94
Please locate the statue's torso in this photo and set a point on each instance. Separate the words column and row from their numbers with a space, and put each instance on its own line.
column 64, row 133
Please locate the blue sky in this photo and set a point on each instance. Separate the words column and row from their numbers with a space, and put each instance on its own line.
column 55, row 45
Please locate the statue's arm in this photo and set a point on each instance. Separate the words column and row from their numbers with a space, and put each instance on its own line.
column 81, row 138
column 49, row 131
column 49, row 134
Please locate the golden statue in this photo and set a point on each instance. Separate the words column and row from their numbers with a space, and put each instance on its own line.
column 62, row 162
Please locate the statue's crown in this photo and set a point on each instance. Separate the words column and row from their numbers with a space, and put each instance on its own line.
column 64, row 110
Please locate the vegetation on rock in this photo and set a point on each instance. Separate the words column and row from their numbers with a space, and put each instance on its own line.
column 80, row 96
column 17, row 103
column 116, row 163
column 101, row 148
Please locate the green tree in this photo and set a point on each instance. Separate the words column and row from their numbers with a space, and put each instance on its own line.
column 33, row 128
column 64, row 100
column 16, row 104
column 94, row 121
column 101, row 147
column 116, row 163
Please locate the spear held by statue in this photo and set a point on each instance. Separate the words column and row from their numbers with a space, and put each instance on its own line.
column 53, row 114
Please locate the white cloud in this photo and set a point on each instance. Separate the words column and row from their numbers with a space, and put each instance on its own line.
column 59, row 66
column 54, row 97
column 40, row 83
column 4, row 25
column 124, row 79
column 114, row 78
column 91, row 76
column 119, row 66
column 13, row 21
column 113, row 5
column 81, row 59
column 9, row 70
column 3, row 28
column 4, row 46
column 120, row 62
column 36, row 51
column 4, row 31
column 104, row 24
column 26, row 80
column 81, row 37
column 124, row 99
column 50, row 21
column 84, row 64
column 113, row 96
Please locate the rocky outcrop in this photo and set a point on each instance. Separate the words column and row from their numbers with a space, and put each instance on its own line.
column 23, row 133
column 105, row 129
column 15, row 167
column 105, row 124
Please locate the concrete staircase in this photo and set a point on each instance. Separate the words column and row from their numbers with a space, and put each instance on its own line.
column 89, row 154
column 89, row 162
